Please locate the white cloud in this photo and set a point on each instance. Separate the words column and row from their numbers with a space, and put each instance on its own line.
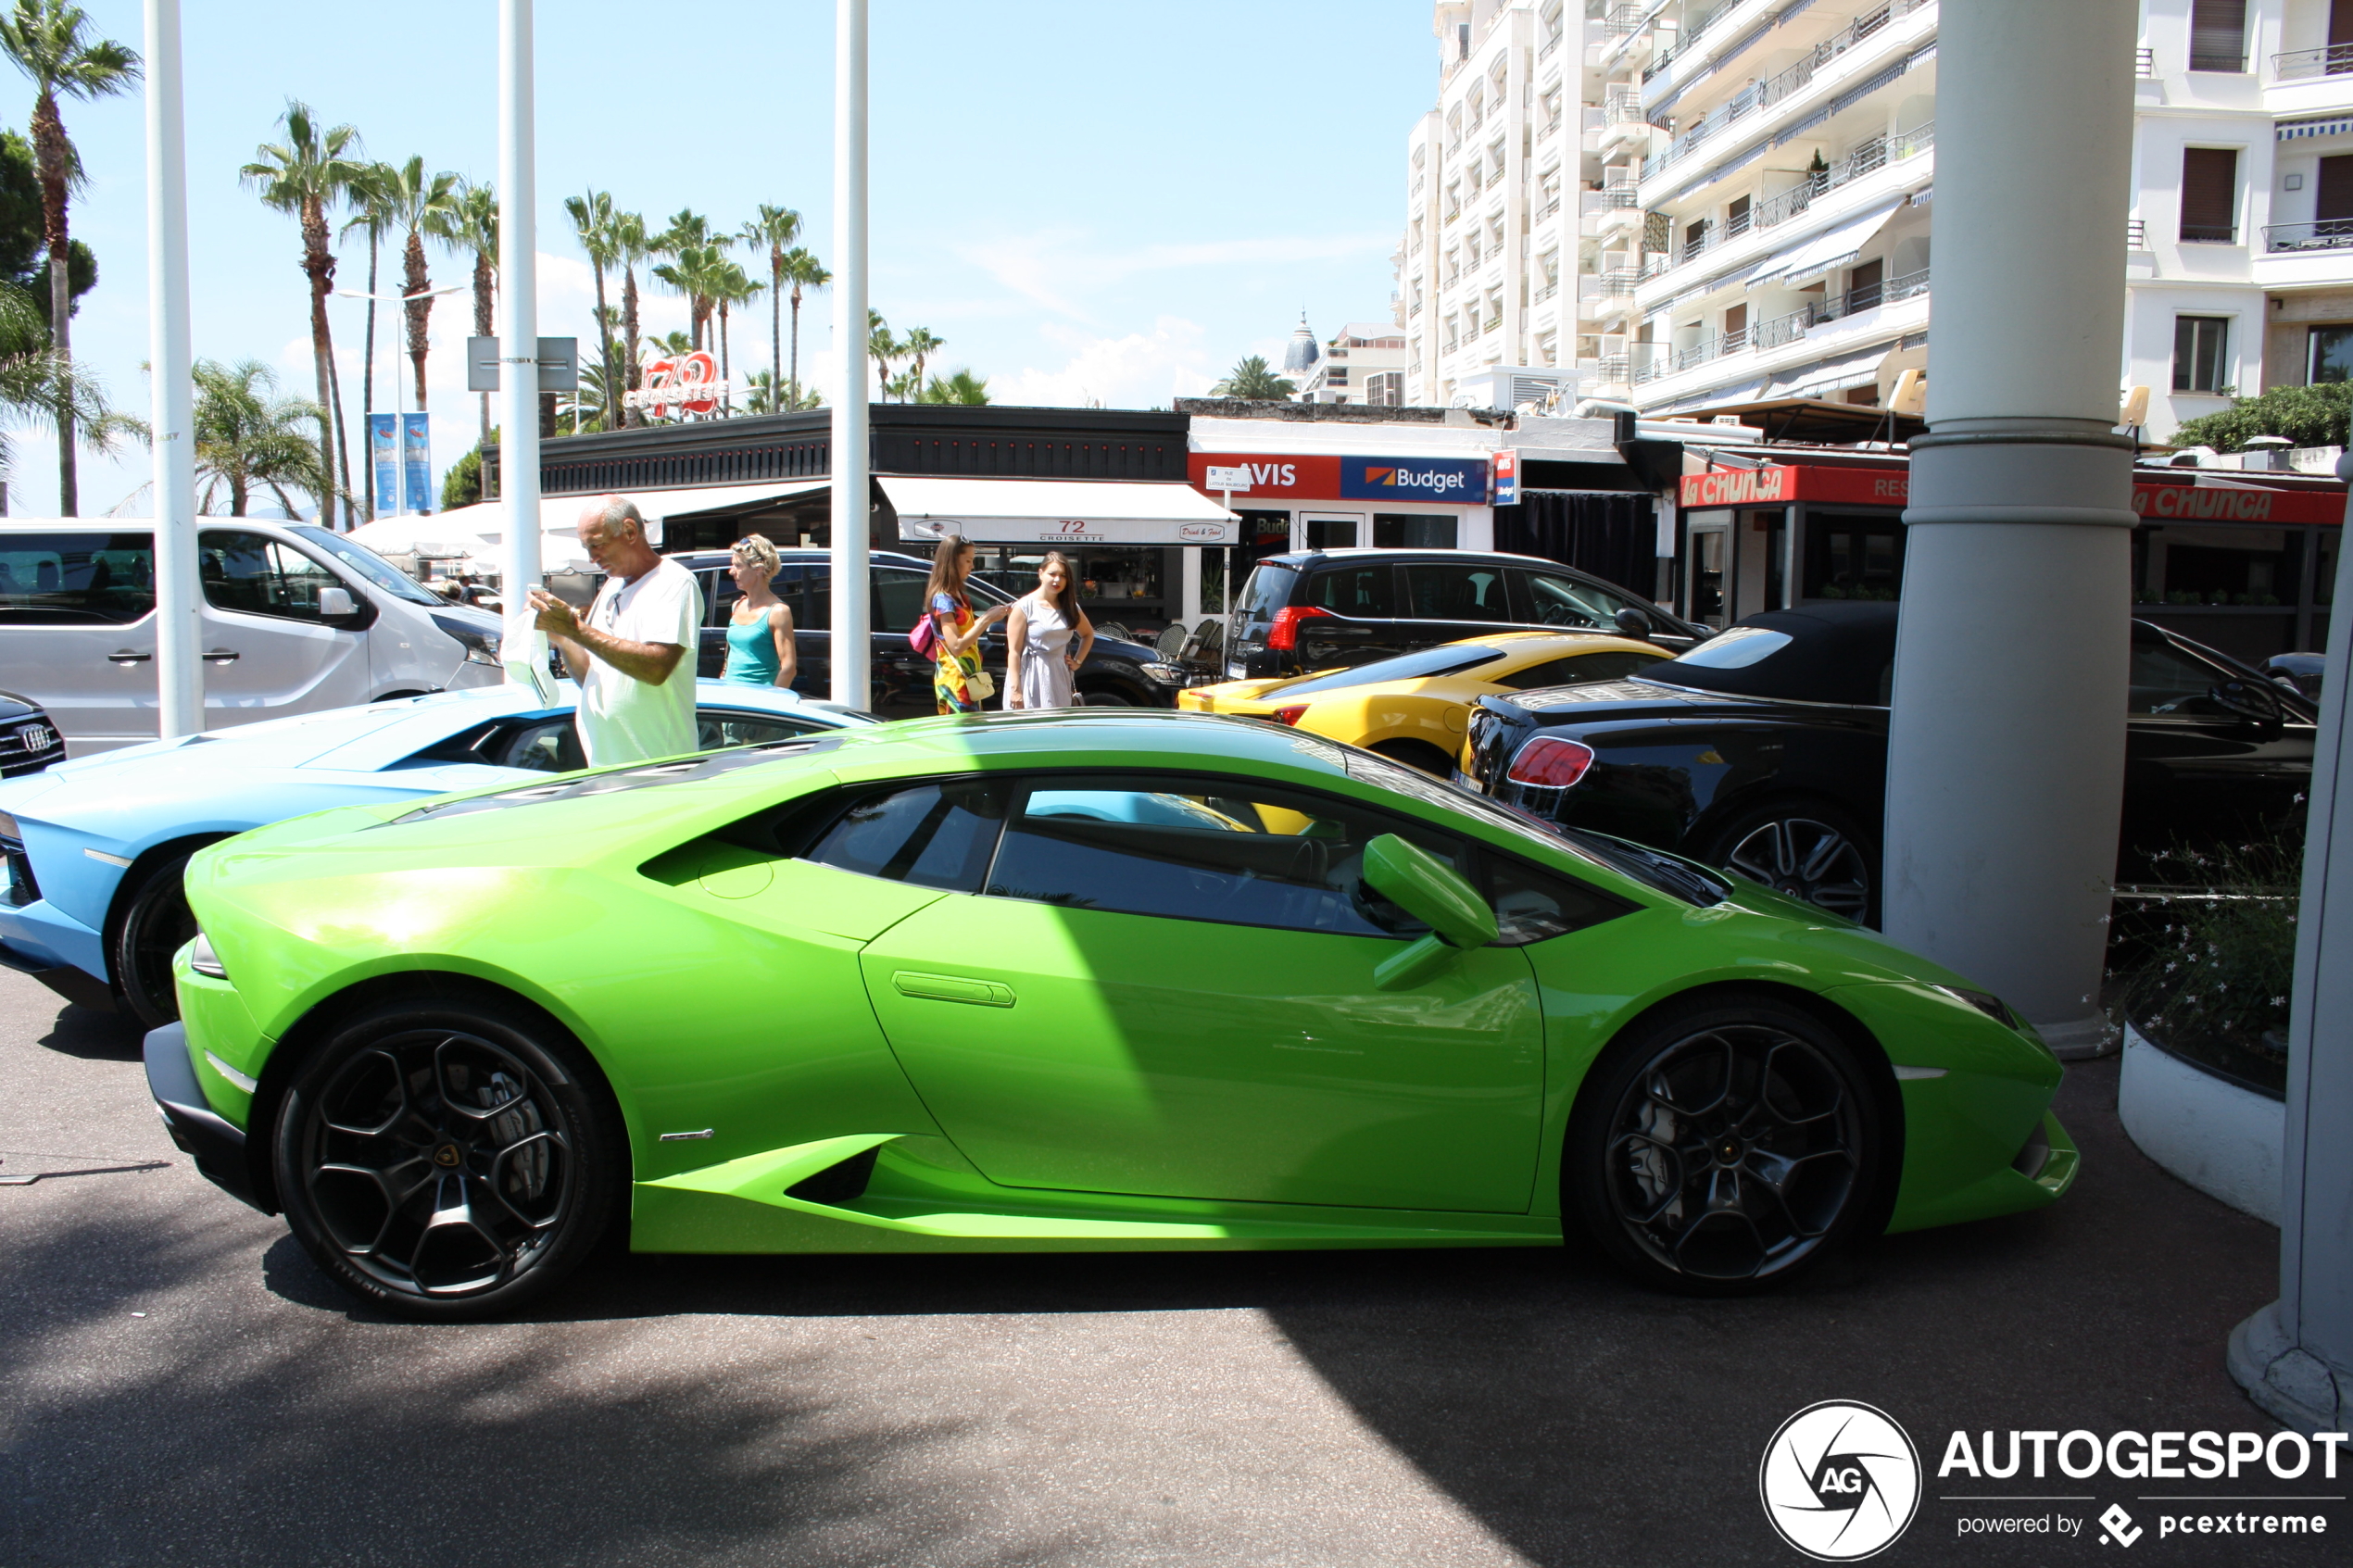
column 1133, row 371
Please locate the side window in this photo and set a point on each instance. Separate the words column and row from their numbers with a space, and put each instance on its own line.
column 1192, row 847
column 2167, row 681
column 934, row 836
column 719, row 728
column 1565, row 601
column 254, row 575
column 899, row 600
column 719, row 595
column 76, row 579
column 1447, row 591
column 550, row 746
column 812, row 599
column 1580, row 668
column 1369, row 590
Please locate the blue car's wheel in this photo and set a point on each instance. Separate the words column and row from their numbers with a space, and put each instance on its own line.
column 1723, row 1147
column 154, row 925
column 448, row 1160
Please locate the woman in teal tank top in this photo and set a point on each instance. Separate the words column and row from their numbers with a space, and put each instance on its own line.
column 760, row 633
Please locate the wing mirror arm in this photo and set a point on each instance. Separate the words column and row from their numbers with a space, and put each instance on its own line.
column 1434, row 893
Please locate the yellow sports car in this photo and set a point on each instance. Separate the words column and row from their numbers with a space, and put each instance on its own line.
column 1416, row 705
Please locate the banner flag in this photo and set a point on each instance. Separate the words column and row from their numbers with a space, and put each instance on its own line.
column 416, row 461
column 383, row 452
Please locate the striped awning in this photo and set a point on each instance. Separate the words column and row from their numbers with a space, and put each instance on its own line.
column 2289, row 130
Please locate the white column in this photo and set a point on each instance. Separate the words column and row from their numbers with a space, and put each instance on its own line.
column 2294, row 1358
column 518, row 331
column 852, row 651
column 1188, row 585
column 2005, row 748
column 179, row 595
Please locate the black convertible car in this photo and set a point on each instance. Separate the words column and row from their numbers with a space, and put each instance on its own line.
column 1763, row 750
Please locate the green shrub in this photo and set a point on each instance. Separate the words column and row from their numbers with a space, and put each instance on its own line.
column 2309, row 416
column 2212, row 980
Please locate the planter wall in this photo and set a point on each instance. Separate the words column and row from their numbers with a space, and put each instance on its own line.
column 2222, row 1139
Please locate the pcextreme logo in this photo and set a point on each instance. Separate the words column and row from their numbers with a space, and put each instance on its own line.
column 1840, row 1481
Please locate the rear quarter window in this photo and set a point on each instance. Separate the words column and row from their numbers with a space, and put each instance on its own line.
column 1266, row 590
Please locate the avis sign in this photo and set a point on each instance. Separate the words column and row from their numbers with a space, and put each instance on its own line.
column 1315, row 477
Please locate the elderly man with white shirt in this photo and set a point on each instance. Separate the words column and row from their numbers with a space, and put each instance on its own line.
column 634, row 652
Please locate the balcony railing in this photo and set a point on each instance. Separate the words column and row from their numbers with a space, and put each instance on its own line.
column 1551, row 42
column 1495, row 175
column 1617, row 196
column 1550, row 207
column 1622, row 20
column 2302, row 64
column 2210, row 234
column 1869, row 159
column 2144, row 61
column 1692, row 34
column 1619, row 283
column 1780, row 330
column 1547, row 292
column 1766, row 94
column 2326, row 234
column 1623, row 109
column 1494, row 324
column 2136, row 234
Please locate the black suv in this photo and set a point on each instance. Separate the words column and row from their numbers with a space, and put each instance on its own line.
column 1116, row 674
column 1318, row 609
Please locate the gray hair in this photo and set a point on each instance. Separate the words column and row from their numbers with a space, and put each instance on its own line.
column 619, row 512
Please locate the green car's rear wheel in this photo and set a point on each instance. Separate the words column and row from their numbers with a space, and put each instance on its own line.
column 448, row 1160
column 1723, row 1147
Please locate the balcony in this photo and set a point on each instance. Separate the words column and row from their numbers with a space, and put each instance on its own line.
column 1622, row 20
column 2303, row 65
column 1495, row 175
column 1552, row 287
column 2214, row 234
column 1614, row 197
column 2144, row 62
column 1619, row 283
column 1552, row 204
column 2326, row 234
column 1779, row 331
column 1774, row 210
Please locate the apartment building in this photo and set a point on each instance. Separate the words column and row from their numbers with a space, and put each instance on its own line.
column 1364, row 363
column 1768, row 166
column 1487, row 266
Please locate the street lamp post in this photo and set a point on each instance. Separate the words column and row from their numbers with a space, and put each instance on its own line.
column 519, row 335
column 852, row 652
column 179, row 595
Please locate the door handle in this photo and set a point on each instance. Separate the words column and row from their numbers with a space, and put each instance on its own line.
column 127, row 657
column 953, row 988
column 220, row 656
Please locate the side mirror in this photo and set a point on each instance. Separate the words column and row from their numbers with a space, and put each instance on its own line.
column 1633, row 622
column 2249, row 701
column 335, row 604
column 1434, row 893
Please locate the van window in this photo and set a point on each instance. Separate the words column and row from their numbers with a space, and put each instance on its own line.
column 1447, row 591
column 76, row 579
column 370, row 564
column 252, row 574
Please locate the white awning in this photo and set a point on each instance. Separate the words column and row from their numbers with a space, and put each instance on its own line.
column 2290, row 130
column 1833, row 247
column 1829, row 375
column 1050, row 511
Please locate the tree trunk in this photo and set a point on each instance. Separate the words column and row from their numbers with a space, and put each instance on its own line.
column 318, row 264
column 343, row 446
column 419, row 311
column 53, row 157
column 726, row 399
column 796, row 346
column 775, row 330
column 368, row 378
column 630, row 372
column 484, row 326
column 604, row 334
column 238, row 497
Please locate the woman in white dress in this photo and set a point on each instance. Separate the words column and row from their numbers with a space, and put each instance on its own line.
column 1047, row 637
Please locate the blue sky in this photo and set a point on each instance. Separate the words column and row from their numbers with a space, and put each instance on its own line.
column 1108, row 199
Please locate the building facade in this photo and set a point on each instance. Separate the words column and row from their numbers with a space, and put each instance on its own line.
column 1366, row 363
column 1760, row 175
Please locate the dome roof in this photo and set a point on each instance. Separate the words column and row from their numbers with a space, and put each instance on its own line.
column 1300, row 355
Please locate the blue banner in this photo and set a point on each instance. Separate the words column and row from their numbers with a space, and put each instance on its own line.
column 416, row 461
column 384, row 455
column 1415, row 479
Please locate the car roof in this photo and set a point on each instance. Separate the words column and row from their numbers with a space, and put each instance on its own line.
column 1359, row 552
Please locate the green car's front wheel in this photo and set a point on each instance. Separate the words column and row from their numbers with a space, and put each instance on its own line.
column 448, row 1159
column 1723, row 1146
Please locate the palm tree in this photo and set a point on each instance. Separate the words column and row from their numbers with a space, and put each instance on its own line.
column 777, row 228
column 730, row 285
column 592, row 219
column 247, row 438
column 961, row 387
column 468, row 225
column 1255, row 379
column 763, row 397
column 803, row 271
column 372, row 211
column 302, row 175
column 882, row 348
column 36, row 381
column 690, row 243
column 918, row 345
column 696, row 272
column 44, row 37
column 422, row 206
column 630, row 246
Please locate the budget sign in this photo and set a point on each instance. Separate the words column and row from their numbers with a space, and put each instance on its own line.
column 1414, row 478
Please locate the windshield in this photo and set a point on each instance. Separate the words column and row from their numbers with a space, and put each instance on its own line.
column 1445, row 659
column 1267, row 591
column 370, row 564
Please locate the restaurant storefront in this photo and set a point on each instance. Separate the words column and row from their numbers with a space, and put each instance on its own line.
column 2245, row 565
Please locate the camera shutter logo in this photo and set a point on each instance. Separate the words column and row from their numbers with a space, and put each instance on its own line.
column 1840, row 1481
column 2115, row 1525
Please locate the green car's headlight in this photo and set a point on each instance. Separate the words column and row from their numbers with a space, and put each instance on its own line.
column 1985, row 1002
column 203, row 960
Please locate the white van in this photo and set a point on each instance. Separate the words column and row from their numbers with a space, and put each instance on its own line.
column 295, row 619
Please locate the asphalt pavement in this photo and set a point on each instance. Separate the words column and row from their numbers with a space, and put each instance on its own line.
column 179, row 1383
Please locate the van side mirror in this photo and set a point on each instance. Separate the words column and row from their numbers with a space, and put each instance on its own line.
column 1434, row 893
column 336, row 604
column 1632, row 622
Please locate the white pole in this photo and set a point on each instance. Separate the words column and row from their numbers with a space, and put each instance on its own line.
column 179, row 595
column 852, row 650
column 519, row 333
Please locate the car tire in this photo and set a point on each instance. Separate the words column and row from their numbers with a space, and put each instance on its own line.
column 429, row 1207
column 1418, row 754
column 1724, row 1146
column 156, row 924
column 1106, row 696
column 1808, row 849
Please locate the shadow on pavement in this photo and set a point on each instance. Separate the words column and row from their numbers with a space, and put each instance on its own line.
column 94, row 1035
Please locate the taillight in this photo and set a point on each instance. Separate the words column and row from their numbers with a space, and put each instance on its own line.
column 1289, row 715
column 1283, row 636
column 1550, row 762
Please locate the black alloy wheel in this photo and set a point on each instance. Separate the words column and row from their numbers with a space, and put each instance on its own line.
column 1806, row 850
column 1722, row 1149
column 156, row 924
column 448, row 1160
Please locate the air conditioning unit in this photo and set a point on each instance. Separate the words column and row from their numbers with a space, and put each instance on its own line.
column 1515, row 386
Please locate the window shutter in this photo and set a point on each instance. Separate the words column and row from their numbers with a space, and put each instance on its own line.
column 2209, row 194
column 2218, row 35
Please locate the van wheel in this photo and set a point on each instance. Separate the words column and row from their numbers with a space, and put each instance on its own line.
column 156, row 924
